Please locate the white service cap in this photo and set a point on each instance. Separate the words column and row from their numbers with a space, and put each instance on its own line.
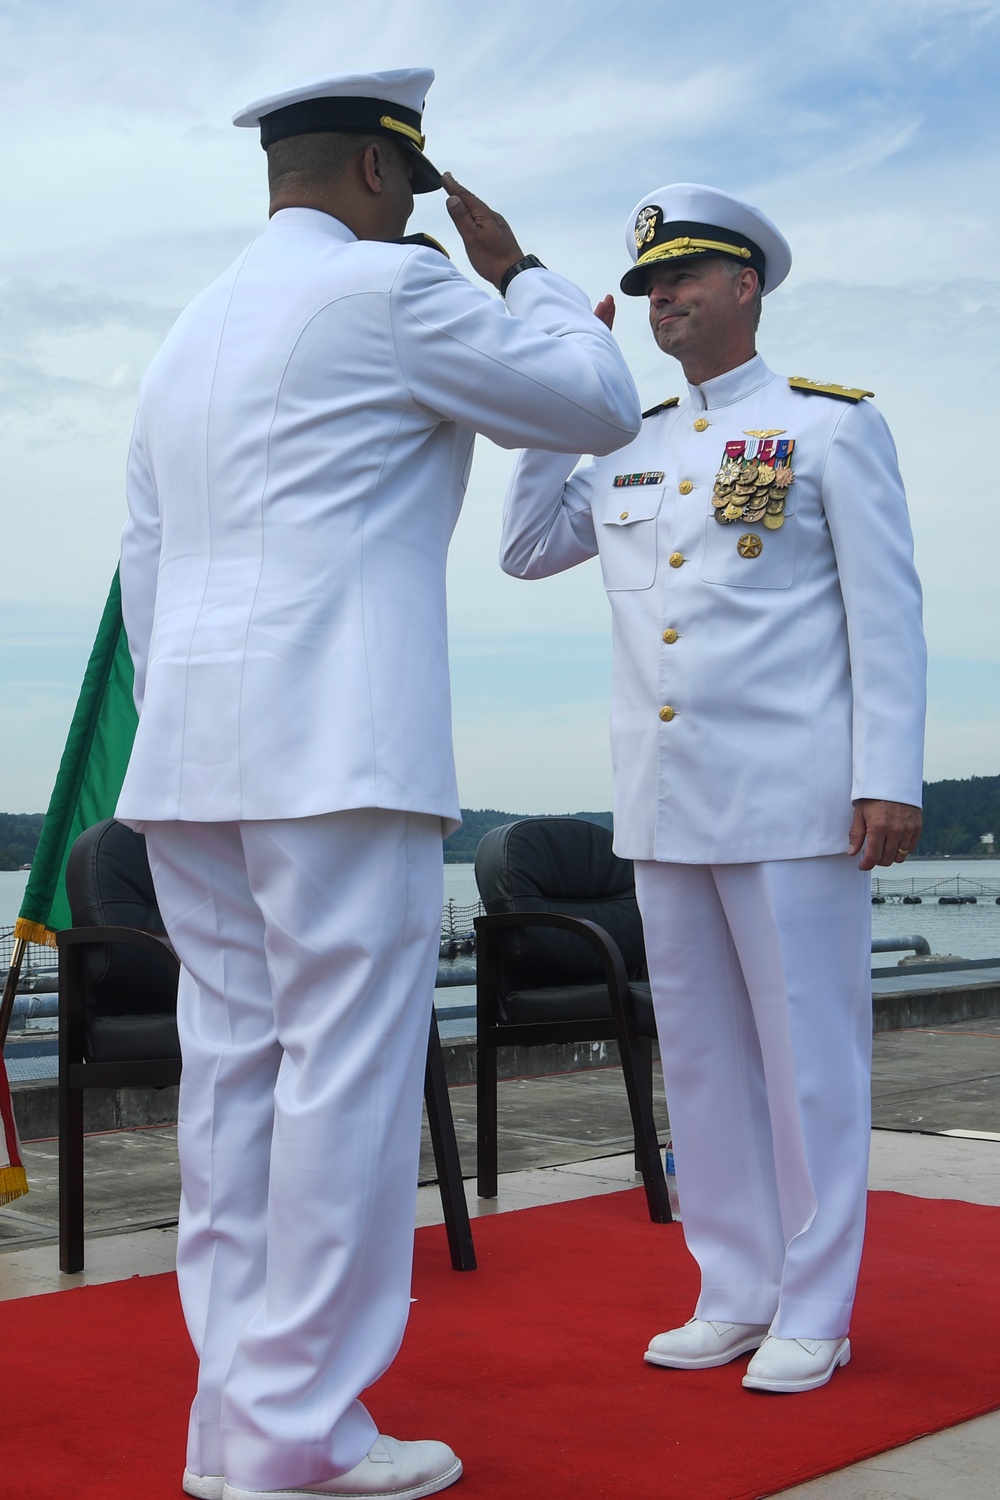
column 390, row 104
column 687, row 218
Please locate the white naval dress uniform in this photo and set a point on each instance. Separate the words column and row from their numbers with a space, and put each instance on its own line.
column 299, row 460
column 762, row 680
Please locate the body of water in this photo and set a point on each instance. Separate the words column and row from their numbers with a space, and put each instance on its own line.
column 967, row 931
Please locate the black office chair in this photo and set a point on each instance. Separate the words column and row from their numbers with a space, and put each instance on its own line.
column 118, row 1026
column 560, row 958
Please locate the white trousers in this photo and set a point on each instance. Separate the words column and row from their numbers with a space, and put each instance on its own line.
column 309, row 951
column 761, row 980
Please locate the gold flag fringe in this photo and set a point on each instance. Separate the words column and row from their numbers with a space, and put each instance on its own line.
column 13, row 1183
column 34, row 932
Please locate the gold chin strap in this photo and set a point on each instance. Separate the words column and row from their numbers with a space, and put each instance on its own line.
column 388, row 123
column 673, row 249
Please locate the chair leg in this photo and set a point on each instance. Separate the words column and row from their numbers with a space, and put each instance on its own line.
column 645, row 1081
column 647, row 1149
column 486, row 1118
column 446, row 1158
column 70, row 1179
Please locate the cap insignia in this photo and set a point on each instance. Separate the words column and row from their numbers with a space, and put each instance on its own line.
column 646, row 221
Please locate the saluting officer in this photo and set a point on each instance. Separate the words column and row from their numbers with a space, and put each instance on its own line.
column 299, row 460
column 767, row 727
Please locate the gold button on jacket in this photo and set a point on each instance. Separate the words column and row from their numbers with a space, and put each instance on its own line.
column 670, row 636
column 666, row 713
column 685, row 486
column 676, row 559
column 701, row 424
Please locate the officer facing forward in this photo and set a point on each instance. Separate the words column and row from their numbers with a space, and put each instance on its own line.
column 299, row 460
column 767, row 727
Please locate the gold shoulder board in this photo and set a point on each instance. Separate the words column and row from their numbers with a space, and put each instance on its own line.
column 663, row 406
column 424, row 241
column 838, row 392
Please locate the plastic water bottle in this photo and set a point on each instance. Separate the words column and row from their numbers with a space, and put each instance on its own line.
column 670, row 1173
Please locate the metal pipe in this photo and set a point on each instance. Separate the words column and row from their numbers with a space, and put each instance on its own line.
column 911, row 941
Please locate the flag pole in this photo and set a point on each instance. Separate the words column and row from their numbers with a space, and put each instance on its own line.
column 10, row 987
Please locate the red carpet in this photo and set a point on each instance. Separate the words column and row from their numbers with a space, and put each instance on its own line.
column 531, row 1368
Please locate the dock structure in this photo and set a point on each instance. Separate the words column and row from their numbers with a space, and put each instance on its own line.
column 949, row 888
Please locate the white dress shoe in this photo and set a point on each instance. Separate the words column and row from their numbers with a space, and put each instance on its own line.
column 203, row 1486
column 392, row 1470
column 702, row 1345
column 795, row 1364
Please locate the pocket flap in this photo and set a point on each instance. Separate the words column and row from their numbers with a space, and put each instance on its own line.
column 625, row 507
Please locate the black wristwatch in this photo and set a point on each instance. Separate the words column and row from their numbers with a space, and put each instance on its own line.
column 518, row 266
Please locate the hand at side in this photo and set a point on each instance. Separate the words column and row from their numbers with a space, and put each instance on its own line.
column 889, row 831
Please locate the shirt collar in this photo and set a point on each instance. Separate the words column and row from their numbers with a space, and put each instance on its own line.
column 313, row 218
column 723, row 390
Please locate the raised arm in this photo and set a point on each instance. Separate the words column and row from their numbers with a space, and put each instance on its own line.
column 540, row 370
column 547, row 521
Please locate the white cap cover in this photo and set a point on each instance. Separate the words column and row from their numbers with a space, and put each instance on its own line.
column 389, row 103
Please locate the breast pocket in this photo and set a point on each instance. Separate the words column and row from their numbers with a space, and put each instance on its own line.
column 749, row 557
column 626, row 537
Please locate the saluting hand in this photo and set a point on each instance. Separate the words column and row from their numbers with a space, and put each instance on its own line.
column 889, row 831
column 488, row 238
column 605, row 310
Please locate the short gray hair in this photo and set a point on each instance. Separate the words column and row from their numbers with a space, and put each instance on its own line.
column 734, row 267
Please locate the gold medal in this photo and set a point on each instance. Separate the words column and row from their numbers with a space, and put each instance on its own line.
column 753, row 513
column 773, row 522
column 732, row 512
column 783, row 475
column 765, row 475
column 775, row 507
column 750, row 545
column 718, row 501
column 749, row 473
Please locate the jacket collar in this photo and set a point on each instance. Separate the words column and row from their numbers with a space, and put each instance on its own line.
column 723, row 390
column 312, row 218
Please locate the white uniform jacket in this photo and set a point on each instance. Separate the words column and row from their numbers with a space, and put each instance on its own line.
column 300, row 456
column 754, row 696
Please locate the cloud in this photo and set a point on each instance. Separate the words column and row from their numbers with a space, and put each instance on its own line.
column 867, row 131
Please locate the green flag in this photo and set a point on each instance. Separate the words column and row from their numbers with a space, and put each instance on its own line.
column 90, row 774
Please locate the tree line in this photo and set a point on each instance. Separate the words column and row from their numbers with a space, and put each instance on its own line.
column 956, row 815
column 18, row 837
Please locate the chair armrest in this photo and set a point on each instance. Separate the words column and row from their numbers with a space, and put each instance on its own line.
column 611, row 959
column 136, row 937
column 73, row 943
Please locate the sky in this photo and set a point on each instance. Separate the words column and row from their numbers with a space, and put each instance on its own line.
column 867, row 131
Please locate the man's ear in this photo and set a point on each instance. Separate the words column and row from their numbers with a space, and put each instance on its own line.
column 373, row 166
column 748, row 283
